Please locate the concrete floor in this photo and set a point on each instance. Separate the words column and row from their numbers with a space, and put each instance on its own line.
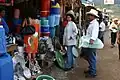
column 107, row 65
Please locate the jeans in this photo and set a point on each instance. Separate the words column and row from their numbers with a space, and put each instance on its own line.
column 70, row 57
column 90, row 55
column 113, row 38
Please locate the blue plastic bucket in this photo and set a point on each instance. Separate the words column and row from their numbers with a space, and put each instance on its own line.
column 55, row 11
column 52, row 32
column 57, row 20
column 6, row 67
column 51, row 19
column 2, row 41
column 44, row 28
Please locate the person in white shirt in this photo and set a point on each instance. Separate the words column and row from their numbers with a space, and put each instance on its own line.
column 101, row 30
column 90, row 53
column 113, row 27
column 69, row 40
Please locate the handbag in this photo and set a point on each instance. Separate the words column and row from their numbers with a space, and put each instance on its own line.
column 28, row 29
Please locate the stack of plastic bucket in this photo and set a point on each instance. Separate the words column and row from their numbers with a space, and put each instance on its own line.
column 54, row 18
column 44, row 8
column 51, row 19
column 44, row 27
column 6, row 64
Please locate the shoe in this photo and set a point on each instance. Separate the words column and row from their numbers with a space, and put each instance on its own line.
column 88, row 75
column 67, row 69
column 86, row 71
column 112, row 46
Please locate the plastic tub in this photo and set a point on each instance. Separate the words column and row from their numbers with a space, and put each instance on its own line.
column 44, row 77
column 44, row 8
column 44, row 22
column 55, row 9
column 51, row 19
column 44, row 28
column 57, row 20
column 45, row 34
column 6, row 67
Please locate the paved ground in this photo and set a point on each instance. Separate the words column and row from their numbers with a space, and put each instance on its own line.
column 107, row 66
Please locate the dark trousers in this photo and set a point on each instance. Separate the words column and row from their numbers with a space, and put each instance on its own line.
column 90, row 55
column 113, row 38
column 101, row 36
column 119, row 50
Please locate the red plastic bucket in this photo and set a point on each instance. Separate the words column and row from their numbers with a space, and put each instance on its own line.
column 44, row 8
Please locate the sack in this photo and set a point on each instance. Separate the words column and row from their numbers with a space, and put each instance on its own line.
column 84, row 42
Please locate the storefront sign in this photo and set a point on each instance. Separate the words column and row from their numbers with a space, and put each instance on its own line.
column 108, row 1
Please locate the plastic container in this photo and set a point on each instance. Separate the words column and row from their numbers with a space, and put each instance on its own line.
column 6, row 67
column 45, row 34
column 57, row 20
column 2, row 41
column 44, row 28
column 52, row 32
column 44, row 77
column 51, row 19
column 44, row 22
column 55, row 9
column 44, row 8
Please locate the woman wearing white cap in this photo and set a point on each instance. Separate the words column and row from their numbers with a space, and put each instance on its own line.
column 69, row 39
column 113, row 27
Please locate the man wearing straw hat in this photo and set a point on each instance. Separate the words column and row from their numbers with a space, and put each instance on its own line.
column 113, row 27
column 90, row 53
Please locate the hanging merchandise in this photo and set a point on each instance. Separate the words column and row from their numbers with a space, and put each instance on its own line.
column 44, row 8
column 28, row 29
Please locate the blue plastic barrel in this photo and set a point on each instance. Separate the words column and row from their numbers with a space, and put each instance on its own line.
column 2, row 41
column 51, row 19
column 55, row 9
column 57, row 20
column 52, row 32
column 44, row 28
column 6, row 67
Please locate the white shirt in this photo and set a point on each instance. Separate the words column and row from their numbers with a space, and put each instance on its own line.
column 70, row 32
column 102, row 26
column 93, row 29
column 112, row 26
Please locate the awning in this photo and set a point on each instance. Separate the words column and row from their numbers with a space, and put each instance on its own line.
column 20, row 1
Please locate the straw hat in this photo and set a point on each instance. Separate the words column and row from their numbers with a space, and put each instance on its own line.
column 93, row 12
column 71, row 12
column 115, row 19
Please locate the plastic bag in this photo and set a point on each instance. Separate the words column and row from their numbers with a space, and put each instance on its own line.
column 84, row 42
